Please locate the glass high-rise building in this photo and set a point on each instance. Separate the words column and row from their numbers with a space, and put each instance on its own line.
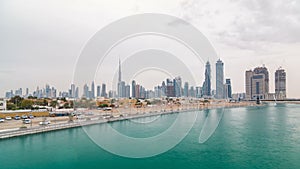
column 207, row 83
column 186, row 89
column 177, row 86
column 92, row 90
column 103, row 92
column 99, row 91
column 219, row 80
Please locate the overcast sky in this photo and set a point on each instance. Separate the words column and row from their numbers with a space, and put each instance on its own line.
column 41, row 40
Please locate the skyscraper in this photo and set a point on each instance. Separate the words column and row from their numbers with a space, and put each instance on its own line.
column 137, row 91
column 263, row 70
column 72, row 91
column 186, row 89
column 177, row 86
column 207, row 83
column 170, row 88
column 257, row 83
column 228, row 89
column 121, row 89
column 219, row 79
column 27, row 92
column 86, row 92
column 103, row 92
column 192, row 92
column 127, row 91
column 133, row 83
column 163, row 89
column 92, row 90
column 198, row 92
column 248, row 86
column 121, row 84
column 280, row 84
column 77, row 92
column 99, row 91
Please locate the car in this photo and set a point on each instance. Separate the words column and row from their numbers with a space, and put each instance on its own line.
column 1, row 120
column 45, row 122
column 8, row 118
column 24, row 116
column 89, row 113
column 27, row 121
column 31, row 116
column 17, row 117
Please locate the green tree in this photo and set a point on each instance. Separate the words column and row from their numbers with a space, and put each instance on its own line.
column 53, row 103
column 103, row 105
column 26, row 104
column 16, row 100
column 11, row 106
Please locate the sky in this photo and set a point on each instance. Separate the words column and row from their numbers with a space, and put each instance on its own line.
column 41, row 40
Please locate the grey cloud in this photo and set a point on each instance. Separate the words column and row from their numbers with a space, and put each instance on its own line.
column 250, row 21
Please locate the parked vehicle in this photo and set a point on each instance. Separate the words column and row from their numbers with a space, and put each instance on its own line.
column 89, row 113
column 1, row 120
column 45, row 122
column 17, row 117
column 31, row 116
column 27, row 121
column 8, row 118
column 24, row 117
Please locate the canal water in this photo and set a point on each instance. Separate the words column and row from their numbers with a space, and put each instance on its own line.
column 264, row 137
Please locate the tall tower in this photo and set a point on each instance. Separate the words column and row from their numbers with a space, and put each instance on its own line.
column 98, row 91
column 92, row 90
column 280, row 84
column 248, row 84
column 263, row 70
column 120, row 84
column 207, row 83
column 103, row 92
column 257, row 83
column 133, row 89
column 228, row 89
column 177, row 86
column 186, row 89
column 219, row 79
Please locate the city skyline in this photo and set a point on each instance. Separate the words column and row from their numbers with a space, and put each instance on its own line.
column 257, row 83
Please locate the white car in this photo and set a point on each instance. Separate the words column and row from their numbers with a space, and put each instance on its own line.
column 8, row 118
column 27, row 121
column 1, row 120
column 45, row 122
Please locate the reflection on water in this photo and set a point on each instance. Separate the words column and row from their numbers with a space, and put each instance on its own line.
column 212, row 120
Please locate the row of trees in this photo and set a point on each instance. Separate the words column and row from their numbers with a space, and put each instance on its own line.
column 19, row 103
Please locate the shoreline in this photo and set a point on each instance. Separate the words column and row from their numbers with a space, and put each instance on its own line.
column 99, row 119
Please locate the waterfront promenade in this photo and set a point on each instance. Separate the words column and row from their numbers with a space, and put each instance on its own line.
column 59, row 123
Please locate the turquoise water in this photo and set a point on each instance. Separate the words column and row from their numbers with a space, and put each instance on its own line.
column 249, row 137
